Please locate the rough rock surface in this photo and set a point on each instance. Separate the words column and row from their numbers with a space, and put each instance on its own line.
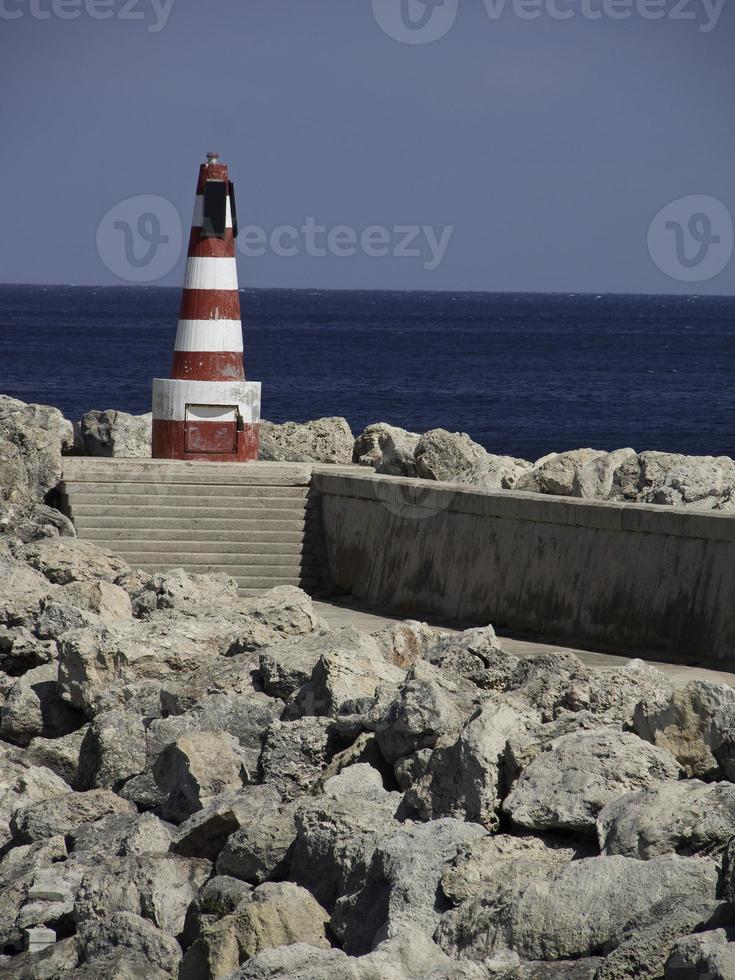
column 112, row 433
column 707, row 956
column 387, row 449
column 453, row 457
column 327, row 440
column 568, row 783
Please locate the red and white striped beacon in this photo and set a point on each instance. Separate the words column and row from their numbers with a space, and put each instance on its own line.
column 207, row 410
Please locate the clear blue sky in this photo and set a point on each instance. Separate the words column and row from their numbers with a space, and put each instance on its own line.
column 547, row 145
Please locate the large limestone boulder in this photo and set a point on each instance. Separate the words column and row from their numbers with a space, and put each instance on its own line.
column 197, row 767
column 60, row 755
column 277, row 914
column 58, row 815
column 23, row 594
column 113, row 750
column 183, row 594
column 32, row 440
column 338, row 831
column 275, row 615
column 387, row 449
column 699, row 482
column 429, row 704
column 576, row 775
column 406, row 642
column 466, row 777
column 453, row 457
column 585, row 473
column 125, row 834
column 158, row 887
column 696, row 724
column 21, row 786
column 296, row 753
column 327, row 440
column 121, row 943
column 65, row 560
column 32, row 707
column 477, row 655
column 709, row 955
column 686, row 817
column 261, row 849
column 402, row 890
column 19, row 869
column 574, row 910
column 348, row 672
column 113, row 433
column 207, row 831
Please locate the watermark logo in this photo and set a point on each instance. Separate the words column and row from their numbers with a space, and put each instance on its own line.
column 140, row 239
column 415, row 21
column 691, row 239
column 154, row 13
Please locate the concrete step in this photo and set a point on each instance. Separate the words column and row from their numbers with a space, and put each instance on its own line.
column 187, row 547
column 94, row 490
column 112, row 535
column 187, row 500
column 117, row 471
column 294, row 512
column 287, row 564
column 212, row 522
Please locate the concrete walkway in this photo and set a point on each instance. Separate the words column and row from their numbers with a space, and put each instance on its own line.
column 367, row 618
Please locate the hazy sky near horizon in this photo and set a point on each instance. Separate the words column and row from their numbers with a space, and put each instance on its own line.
column 529, row 147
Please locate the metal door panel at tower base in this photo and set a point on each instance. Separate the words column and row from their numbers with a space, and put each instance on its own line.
column 211, row 429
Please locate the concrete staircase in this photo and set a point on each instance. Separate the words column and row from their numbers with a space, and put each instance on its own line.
column 255, row 521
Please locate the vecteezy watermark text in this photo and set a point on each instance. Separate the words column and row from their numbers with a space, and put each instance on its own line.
column 154, row 12
column 425, row 21
column 141, row 239
column 343, row 241
column 691, row 238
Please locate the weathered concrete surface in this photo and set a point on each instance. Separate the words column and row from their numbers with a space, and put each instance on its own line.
column 631, row 576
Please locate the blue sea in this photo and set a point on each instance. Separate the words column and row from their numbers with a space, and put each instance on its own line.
column 523, row 374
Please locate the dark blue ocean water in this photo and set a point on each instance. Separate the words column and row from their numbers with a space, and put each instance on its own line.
column 521, row 373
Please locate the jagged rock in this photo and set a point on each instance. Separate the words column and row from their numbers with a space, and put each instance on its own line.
column 288, row 665
column 185, row 594
column 33, row 707
column 574, row 910
column 641, row 954
column 22, row 785
column 218, row 897
column 98, row 663
column 410, row 956
column 430, row 703
column 97, row 937
column 50, row 896
column 261, row 849
column 477, row 655
column 207, row 831
column 275, row 915
column 59, row 814
column 119, row 835
column 20, row 650
column 112, row 433
column 700, row 482
column 696, row 726
column 296, row 753
column 402, row 644
column 346, row 675
column 58, row 618
column 124, row 963
column 114, row 749
column 55, row 961
column 575, row 776
column 237, row 675
column 244, row 716
column 144, row 792
column 65, row 560
column 453, row 457
column 327, row 440
column 465, row 777
column 23, row 594
column 502, row 856
column 402, row 886
column 387, row 449
column 60, row 755
column 687, row 817
column 586, row 473
column 707, row 956
column 276, row 614
column 30, row 521
column 197, row 767
column 338, row 832
column 107, row 601
column 35, row 437
column 18, row 869
column 158, row 887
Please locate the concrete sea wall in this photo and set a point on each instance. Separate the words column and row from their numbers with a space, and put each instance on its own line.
column 617, row 575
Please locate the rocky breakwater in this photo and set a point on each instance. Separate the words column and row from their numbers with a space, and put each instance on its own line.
column 194, row 785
